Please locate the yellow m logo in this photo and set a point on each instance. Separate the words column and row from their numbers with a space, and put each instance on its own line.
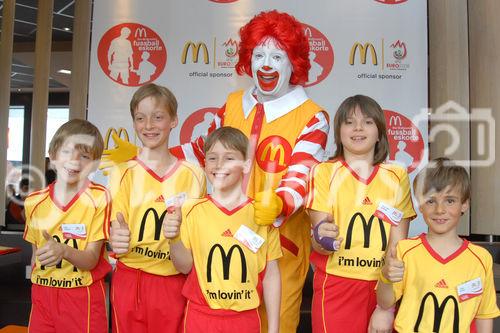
column 363, row 49
column 272, row 150
column 195, row 52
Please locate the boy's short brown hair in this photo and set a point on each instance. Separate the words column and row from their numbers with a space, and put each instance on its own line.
column 370, row 108
column 230, row 137
column 439, row 174
column 160, row 93
column 78, row 127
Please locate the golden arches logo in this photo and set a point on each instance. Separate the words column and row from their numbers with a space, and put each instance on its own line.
column 272, row 150
column 363, row 50
column 140, row 32
column 195, row 52
column 395, row 121
column 121, row 131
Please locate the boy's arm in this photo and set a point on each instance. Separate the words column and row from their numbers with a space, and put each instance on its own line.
column 484, row 325
column 382, row 318
column 272, row 295
column 33, row 255
column 181, row 256
column 53, row 252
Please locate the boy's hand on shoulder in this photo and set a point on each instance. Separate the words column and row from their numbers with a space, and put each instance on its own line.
column 51, row 253
column 119, row 235
column 394, row 268
column 172, row 222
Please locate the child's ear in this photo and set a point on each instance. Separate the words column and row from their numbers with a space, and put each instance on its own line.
column 174, row 122
column 247, row 165
column 465, row 206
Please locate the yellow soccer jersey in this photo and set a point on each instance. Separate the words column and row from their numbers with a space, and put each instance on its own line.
column 84, row 219
column 336, row 189
column 226, row 274
column 429, row 291
column 140, row 194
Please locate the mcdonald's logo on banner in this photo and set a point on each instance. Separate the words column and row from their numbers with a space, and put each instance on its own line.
column 363, row 50
column 395, row 121
column 195, row 49
column 158, row 223
column 226, row 262
column 140, row 32
column 367, row 226
column 121, row 131
column 438, row 312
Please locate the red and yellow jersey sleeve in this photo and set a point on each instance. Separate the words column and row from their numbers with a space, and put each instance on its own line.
column 226, row 274
column 87, row 215
column 336, row 189
column 430, row 297
column 141, row 195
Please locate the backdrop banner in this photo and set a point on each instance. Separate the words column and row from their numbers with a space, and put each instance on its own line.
column 371, row 47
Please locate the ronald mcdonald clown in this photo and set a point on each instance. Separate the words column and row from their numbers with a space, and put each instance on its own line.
column 288, row 134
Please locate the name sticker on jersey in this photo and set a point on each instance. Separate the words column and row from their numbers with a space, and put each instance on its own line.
column 388, row 214
column 74, row 231
column 176, row 200
column 469, row 289
column 249, row 238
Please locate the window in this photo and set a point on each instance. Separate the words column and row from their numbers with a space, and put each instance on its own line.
column 55, row 118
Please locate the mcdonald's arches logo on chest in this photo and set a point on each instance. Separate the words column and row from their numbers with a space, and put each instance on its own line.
column 273, row 154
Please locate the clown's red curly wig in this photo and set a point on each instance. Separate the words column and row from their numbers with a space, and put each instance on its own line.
column 290, row 36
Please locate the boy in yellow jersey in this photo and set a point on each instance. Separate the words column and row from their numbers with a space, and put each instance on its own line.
column 67, row 223
column 146, row 287
column 348, row 196
column 445, row 283
column 231, row 260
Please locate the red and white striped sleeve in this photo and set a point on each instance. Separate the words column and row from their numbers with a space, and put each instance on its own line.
column 193, row 151
column 309, row 150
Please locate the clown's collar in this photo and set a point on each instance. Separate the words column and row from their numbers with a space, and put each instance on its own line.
column 277, row 107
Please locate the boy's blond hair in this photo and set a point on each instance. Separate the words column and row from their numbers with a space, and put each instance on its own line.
column 230, row 137
column 440, row 174
column 78, row 127
column 161, row 95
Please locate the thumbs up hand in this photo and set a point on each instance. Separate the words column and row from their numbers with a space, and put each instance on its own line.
column 172, row 223
column 51, row 253
column 394, row 268
column 119, row 235
column 326, row 232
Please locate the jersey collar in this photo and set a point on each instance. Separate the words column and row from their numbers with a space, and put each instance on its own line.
column 277, row 107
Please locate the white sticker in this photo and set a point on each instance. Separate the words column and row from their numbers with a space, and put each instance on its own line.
column 74, row 231
column 249, row 238
column 469, row 289
column 388, row 214
column 176, row 200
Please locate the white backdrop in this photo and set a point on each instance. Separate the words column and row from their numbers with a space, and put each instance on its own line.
column 392, row 35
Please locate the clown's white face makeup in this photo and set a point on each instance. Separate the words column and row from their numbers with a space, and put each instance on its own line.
column 271, row 69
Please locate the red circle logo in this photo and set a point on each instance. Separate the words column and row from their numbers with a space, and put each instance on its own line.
column 406, row 144
column 391, row 2
column 273, row 154
column 320, row 55
column 197, row 124
column 131, row 54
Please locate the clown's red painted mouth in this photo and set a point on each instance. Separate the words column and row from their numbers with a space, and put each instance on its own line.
column 268, row 81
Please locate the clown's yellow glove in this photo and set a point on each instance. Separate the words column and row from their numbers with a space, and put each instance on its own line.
column 122, row 152
column 267, row 206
